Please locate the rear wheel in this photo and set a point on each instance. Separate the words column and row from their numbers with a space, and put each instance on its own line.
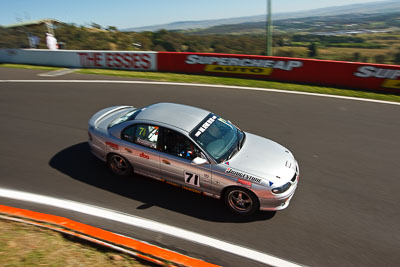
column 241, row 201
column 119, row 165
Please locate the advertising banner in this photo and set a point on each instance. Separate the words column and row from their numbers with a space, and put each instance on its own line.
column 376, row 77
column 122, row 60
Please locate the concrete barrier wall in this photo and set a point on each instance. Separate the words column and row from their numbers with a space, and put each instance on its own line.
column 124, row 60
column 359, row 76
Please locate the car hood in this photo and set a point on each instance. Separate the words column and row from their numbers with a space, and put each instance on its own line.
column 264, row 158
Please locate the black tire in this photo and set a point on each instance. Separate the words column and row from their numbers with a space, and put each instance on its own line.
column 241, row 201
column 119, row 165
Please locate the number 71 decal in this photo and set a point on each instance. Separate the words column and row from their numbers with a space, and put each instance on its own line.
column 192, row 179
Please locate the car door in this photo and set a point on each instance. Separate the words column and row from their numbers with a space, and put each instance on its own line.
column 139, row 144
column 177, row 153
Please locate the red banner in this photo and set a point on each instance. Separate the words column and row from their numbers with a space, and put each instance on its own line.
column 376, row 77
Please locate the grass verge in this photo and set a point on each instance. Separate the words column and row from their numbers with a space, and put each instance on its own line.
column 27, row 245
column 186, row 78
column 32, row 67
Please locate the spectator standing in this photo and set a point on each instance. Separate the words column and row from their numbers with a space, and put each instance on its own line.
column 51, row 41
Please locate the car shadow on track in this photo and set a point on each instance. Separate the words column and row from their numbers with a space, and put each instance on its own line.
column 77, row 162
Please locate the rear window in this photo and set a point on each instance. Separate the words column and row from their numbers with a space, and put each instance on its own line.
column 131, row 115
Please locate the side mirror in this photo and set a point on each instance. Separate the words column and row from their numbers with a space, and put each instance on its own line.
column 199, row 161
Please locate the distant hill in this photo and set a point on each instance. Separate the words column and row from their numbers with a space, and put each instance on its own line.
column 322, row 25
column 366, row 8
column 185, row 25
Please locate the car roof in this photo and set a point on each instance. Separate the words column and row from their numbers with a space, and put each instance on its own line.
column 178, row 115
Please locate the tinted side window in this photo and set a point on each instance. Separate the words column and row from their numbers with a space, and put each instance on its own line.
column 128, row 134
column 142, row 134
column 177, row 144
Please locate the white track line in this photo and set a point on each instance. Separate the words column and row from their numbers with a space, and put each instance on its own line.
column 56, row 73
column 147, row 224
column 204, row 85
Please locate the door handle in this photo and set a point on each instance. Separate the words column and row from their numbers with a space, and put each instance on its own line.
column 128, row 150
column 166, row 162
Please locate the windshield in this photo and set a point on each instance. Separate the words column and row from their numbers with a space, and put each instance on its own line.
column 218, row 137
column 127, row 117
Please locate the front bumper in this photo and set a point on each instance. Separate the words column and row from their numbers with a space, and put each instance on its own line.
column 278, row 203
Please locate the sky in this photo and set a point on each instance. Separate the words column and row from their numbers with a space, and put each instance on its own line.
column 136, row 13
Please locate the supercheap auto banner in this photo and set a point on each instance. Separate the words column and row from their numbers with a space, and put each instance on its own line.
column 376, row 77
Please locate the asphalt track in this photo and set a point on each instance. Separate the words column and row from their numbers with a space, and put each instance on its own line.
column 345, row 211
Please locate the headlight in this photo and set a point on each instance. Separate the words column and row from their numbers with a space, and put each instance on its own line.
column 283, row 188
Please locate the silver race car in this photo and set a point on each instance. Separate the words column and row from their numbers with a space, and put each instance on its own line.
column 198, row 151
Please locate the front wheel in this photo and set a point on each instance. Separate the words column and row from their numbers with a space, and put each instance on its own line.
column 241, row 201
column 119, row 165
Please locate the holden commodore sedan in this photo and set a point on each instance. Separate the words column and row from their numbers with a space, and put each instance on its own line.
column 196, row 150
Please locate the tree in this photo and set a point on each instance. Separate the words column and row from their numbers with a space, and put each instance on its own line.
column 397, row 58
column 357, row 56
column 95, row 25
column 112, row 28
column 380, row 59
column 313, row 49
